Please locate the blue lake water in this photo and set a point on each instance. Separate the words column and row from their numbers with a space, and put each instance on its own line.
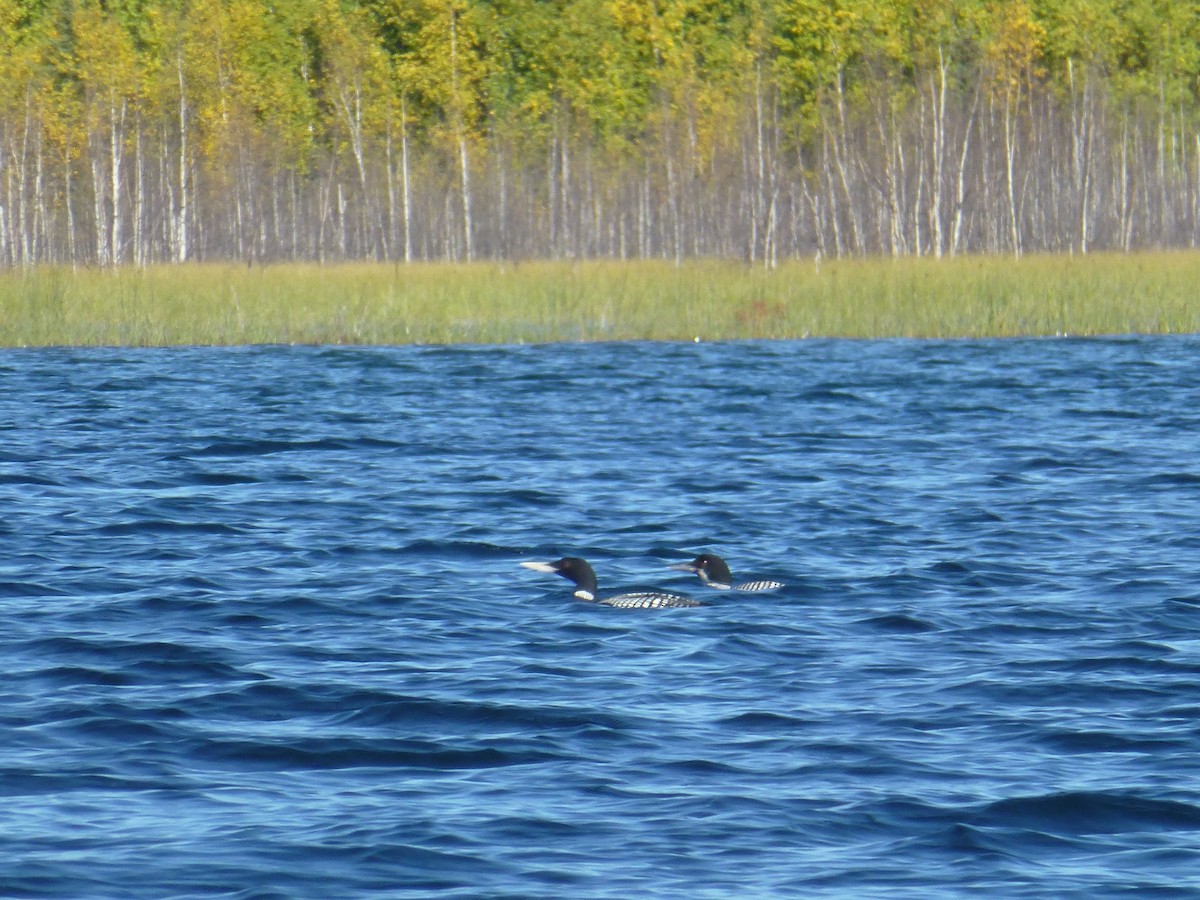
column 265, row 633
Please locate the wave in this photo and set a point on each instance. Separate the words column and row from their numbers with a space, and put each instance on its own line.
column 326, row 753
column 1091, row 812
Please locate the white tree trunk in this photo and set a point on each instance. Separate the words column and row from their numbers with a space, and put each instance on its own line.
column 116, row 157
column 181, row 216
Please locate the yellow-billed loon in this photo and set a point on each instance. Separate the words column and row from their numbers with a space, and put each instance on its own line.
column 578, row 571
column 715, row 574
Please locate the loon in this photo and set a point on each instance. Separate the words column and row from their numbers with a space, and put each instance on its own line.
column 715, row 574
column 581, row 573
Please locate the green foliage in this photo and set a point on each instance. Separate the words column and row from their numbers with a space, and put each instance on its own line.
column 612, row 64
column 237, row 97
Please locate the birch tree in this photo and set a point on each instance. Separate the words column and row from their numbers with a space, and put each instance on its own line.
column 107, row 70
column 451, row 74
column 356, row 82
column 1013, row 47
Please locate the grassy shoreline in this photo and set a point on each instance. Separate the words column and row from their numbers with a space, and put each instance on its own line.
column 432, row 303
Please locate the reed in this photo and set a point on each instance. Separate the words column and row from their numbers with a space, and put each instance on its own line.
column 364, row 303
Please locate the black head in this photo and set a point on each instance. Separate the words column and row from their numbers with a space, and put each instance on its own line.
column 577, row 570
column 710, row 567
column 573, row 568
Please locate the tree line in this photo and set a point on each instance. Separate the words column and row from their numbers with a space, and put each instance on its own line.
column 136, row 131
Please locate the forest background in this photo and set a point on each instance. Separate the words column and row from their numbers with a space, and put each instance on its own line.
column 136, row 131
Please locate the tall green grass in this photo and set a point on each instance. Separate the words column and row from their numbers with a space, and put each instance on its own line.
column 562, row 301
